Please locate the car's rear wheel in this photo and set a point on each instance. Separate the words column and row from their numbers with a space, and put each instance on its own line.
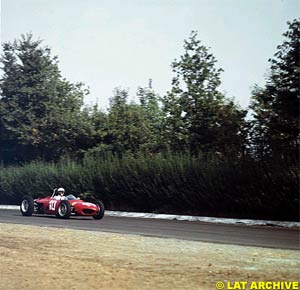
column 64, row 210
column 27, row 206
column 100, row 213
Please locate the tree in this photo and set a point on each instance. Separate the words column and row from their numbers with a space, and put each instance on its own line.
column 40, row 111
column 149, row 101
column 198, row 116
column 276, row 105
column 128, row 129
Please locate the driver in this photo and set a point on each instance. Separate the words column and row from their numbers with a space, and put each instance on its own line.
column 60, row 194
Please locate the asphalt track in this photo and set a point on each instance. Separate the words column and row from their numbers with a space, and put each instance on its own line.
column 261, row 236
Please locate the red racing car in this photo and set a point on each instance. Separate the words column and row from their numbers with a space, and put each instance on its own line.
column 62, row 208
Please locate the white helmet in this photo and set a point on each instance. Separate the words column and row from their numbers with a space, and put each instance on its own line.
column 61, row 190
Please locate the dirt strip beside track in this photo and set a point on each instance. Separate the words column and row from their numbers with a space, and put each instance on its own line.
column 43, row 258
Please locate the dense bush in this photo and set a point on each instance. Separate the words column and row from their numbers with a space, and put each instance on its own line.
column 169, row 184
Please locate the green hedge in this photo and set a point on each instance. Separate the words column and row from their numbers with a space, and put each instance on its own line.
column 169, row 184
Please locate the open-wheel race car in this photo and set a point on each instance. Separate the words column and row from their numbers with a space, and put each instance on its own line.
column 62, row 208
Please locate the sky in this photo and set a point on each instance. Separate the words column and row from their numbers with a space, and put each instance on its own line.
column 124, row 43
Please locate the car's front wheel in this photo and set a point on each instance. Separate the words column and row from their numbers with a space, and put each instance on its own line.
column 100, row 213
column 27, row 206
column 64, row 210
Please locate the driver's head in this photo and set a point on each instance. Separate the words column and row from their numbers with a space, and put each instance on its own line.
column 61, row 191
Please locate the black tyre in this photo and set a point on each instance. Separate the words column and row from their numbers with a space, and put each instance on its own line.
column 64, row 209
column 27, row 206
column 100, row 213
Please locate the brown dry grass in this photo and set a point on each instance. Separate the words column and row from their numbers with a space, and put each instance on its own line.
column 43, row 258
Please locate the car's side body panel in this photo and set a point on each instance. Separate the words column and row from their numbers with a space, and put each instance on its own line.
column 48, row 205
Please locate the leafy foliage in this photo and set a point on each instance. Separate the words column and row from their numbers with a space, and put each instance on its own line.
column 150, row 104
column 276, row 106
column 128, row 128
column 40, row 111
column 173, row 183
column 198, row 116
